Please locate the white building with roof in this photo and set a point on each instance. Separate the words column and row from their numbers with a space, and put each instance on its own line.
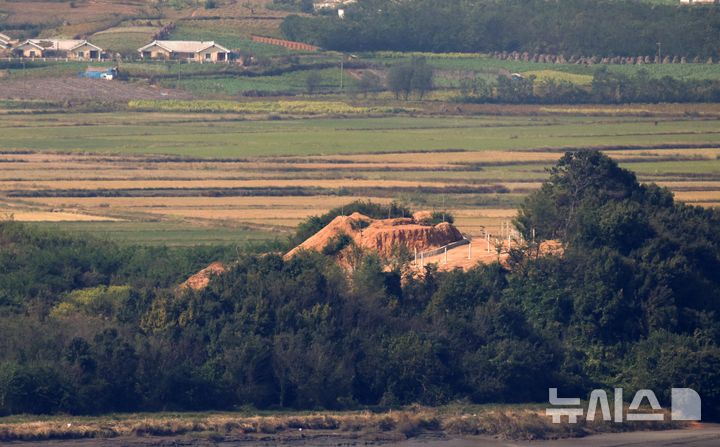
column 70, row 48
column 200, row 51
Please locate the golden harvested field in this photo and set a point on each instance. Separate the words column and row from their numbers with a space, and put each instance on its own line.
column 697, row 185
column 482, row 189
column 258, row 203
column 94, row 185
column 698, row 196
column 49, row 216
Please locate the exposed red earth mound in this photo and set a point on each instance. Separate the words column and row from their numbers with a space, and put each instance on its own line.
column 382, row 236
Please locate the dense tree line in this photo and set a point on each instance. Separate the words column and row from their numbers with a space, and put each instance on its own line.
column 633, row 301
column 607, row 87
column 569, row 27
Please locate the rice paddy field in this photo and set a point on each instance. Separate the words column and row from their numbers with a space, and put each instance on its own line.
column 185, row 178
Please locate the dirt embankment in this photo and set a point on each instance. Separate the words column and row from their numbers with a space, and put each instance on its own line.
column 382, row 236
column 201, row 279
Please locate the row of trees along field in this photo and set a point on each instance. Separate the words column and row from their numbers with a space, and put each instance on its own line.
column 415, row 76
column 88, row 327
column 606, row 87
column 569, row 27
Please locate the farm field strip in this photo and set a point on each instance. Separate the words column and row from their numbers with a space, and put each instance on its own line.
column 45, row 216
column 280, row 204
column 112, row 173
column 519, row 180
column 164, row 233
column 266, row 218
column 201, row 184
column 450, row 162
column 698, row 196
column 711, row 167
column 229, row 192
column 356, row 135
column 240, row 214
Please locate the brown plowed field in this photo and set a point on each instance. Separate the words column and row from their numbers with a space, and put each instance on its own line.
column 83, row 89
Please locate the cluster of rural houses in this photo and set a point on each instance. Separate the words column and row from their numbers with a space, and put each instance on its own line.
column 73, row 49
column 68, row 48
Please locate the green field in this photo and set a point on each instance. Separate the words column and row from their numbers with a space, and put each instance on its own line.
column 162, row 233
column 194, row 135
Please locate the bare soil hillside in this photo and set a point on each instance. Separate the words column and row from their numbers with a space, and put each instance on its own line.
column 201, row 279
column 382, row 236
column 479, row 251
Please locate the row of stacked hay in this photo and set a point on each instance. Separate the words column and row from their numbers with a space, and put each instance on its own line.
column 595, row 60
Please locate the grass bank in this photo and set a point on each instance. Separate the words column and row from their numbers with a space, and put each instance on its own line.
column 526, row 422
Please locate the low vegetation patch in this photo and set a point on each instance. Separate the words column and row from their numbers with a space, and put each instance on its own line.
column 275, row 107
column 558, row 76
column 507, row 423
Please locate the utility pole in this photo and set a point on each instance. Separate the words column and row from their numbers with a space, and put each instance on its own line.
column 342, row 69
